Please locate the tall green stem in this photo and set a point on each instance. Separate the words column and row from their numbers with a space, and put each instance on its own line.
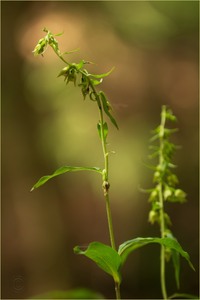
column 162, row 219
column 106, row 184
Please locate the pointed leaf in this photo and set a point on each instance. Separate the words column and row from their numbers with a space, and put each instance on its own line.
column 96, row 82
column 106, row 107
column 63, row 170
column 71, row 51
column 126, row 248
column 146, row 191
column 176, row 263
column 102, row 75
column 105, row 257
column 59, row 34
column 80, row 64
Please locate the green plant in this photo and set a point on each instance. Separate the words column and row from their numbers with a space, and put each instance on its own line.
column 165, row 190
column 73, row 72
column 108, row 258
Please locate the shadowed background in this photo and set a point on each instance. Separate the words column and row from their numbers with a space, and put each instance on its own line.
column 46, row 124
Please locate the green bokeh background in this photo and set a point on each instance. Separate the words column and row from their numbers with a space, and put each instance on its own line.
column 46, row 124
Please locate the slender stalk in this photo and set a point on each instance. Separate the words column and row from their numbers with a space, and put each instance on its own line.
column 110, row 224
column 162, row 219
column 162, row 252
column 106, row 184
column 117, row 290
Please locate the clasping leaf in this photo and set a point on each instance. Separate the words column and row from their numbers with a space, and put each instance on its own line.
column 105, row 257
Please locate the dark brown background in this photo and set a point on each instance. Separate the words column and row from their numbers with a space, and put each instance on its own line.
column 154, row 48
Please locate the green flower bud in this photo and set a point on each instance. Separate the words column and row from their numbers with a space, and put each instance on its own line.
column 156, row 177
column 167, row 193
column 172, row 180
column 153, row 195
column 40, row 47
column 180, row 195
column 153, row 217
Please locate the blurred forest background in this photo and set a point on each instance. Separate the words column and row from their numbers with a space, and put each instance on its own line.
column 46, row 124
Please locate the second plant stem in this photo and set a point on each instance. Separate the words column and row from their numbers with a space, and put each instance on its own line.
column 162, row 217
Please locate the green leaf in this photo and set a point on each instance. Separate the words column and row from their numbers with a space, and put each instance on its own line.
column 105, row 257
column 176, row 263
column 102, row 75
column 96, row 82
column 105, row 130
column 79, row 293
column 79, row 65
column 129, row 246
column 69, row 52
column 63, row 170
column 106, row 107
column 146, row 191
column 59, row 34
column 183, row 295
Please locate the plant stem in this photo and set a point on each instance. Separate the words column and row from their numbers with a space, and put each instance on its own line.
column 106, row 191
column 105, row 179
column 162, row 253
column 117, row 290
column 162, row 219
column 110, row 224
column 106, row 184
column 105, row 154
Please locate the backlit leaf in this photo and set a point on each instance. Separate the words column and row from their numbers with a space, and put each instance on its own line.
column 102, row 75
column 106, row 107
column 63, row 170
column 126, row 248
column 176, row 263
column 96, row 82
column 104, row 256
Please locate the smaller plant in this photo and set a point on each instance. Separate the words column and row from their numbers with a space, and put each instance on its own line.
column 165, row 190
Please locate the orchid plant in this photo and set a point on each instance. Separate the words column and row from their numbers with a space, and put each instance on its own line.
column 111, row 258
